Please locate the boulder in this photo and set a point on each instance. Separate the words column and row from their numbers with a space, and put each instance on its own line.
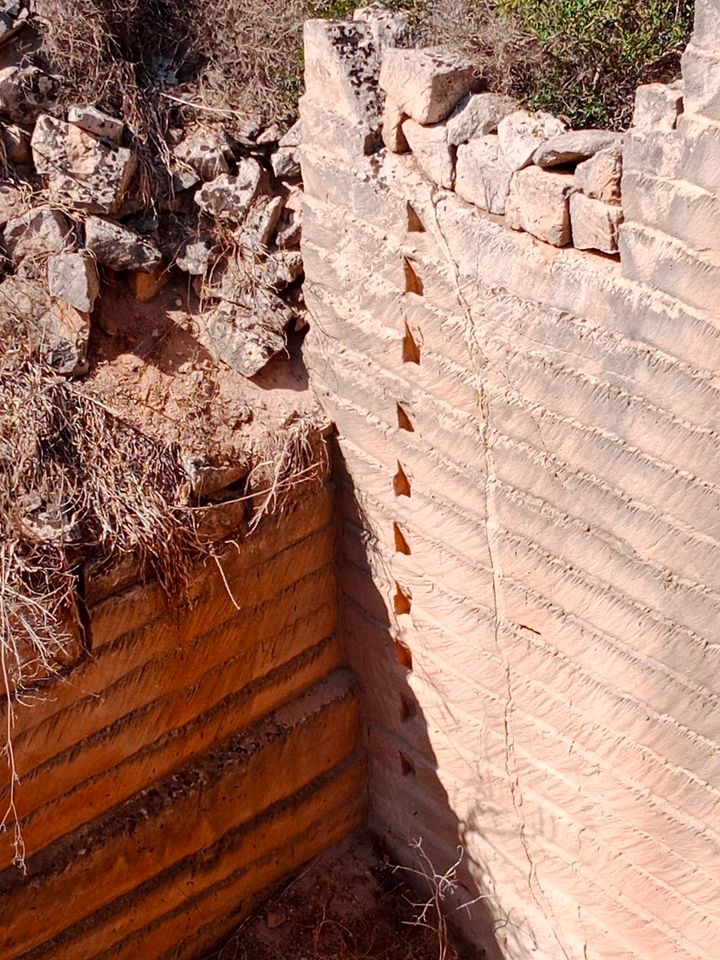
column 38, row 233
column 56, row 330
column 594, row 224
column 539, row 204
column 230, row 198
column 599, row 177
column 432, row 152
column 574, row 146
column 425, row 84
column 25, row 91
column 73, row 279
column 392, row 121
column 196, row 257
column 97, row 122
column 85, row 172
column 477, row 115
column 206, row 153
column 483, row 175
column 242, row 340
column 521, row 133
column 119, row 247
column 657, row 106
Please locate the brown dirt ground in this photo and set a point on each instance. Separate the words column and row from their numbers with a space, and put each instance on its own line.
column 148, row 365
column 347, row 904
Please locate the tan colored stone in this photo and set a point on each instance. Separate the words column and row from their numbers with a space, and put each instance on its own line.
column 653, row 151
column 119, row 247
column 521, row 133
column 477, row 115
column 430, row 148
column 657, row 107
column 390, row 28
column 16, row 143
column 205, row 152
column 599, row 177
column 73, row 278
column 425, row 84
column 392, row 133
column 482, row 174
column 538, row 203
column 594, row 224
column 574, row 146
column 145, row 284
column 14, row 202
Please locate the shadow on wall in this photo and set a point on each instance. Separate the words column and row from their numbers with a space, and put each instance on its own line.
column 410, row 810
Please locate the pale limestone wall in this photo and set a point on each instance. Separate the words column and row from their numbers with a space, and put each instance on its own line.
column 531, row 515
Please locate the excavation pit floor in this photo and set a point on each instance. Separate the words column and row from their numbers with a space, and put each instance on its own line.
column 347, row 904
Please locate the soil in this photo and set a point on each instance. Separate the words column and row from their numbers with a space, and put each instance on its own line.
column 147, row 363
column 347, row 904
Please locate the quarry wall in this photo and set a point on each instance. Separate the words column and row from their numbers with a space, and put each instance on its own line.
column 529, row 440
column 187, row 759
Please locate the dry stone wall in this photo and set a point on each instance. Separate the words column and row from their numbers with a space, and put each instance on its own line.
column 186, row 761
column 529, row 439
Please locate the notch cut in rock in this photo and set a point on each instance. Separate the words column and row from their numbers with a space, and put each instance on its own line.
column 404, row 421
column 414, row 223
column 410, row 347
column 403, row 656
column 401, row 544
column 401, row 483
column 413, row 283
column 402, row 601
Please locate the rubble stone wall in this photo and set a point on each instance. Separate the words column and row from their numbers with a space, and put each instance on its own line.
column 531, row 544
column 186, row 762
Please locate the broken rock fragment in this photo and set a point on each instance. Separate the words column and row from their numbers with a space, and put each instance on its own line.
column 80, row 169
column 483, row 174
column 538, row 203
column 25, row 91
column 205, row 152
column 477, row 115
column 196, row 257
column 521, row 133
column 286, row 159
column 425, row 84
column 432, row 152
column 73, row 279
column 16, row 143
column 574, row 146
column 119, row 247
column 14, row 202
column 594, row 224
column 600, row 176
column 242, row 340
column 392, row 121
column 97, row 122
column 230, row 198
column 38, row 233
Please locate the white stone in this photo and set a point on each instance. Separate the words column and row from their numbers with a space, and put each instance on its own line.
column 119, row 247
column 538, row 204
column 521, row 133
column 97, row 122
column 425, row 84
column 574, row 146
column 81, row 170
column 599, row 177
column 73, row 278
column 16, row 143
column 483, row 175
column 594, row 224
column 432, row 152
column 230, row 198
column 477, row 115
column 195, row 258
column 392, row 121
column 205, row 152
column 657, row 107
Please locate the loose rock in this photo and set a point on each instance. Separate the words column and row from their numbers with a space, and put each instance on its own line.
column 86, row 172
column 392, row 121
column 241, row 340
column 229, row 198
column 483, row 174
column 432, row 152
column 594, row 224
column 38, row 233
column 73, row 278
column 538, row 203
column 196, row 257
column 283, row 268
column 521, row 133
column 16, row 143
column 205, row 152
column 97, row 122
column 425, row 84
column 14, row 202
column 119, row 247
column 263, row 218
column 600, row 176
column 25, row 92
column 574, row 146
column 477, row 115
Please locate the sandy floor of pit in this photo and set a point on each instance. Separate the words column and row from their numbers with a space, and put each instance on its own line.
column 347, row 904
column 148, row 365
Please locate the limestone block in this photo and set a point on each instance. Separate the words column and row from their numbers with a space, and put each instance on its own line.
column 389, row 28
column 37, row 233
column 701, row 81
column 425, row 84
column 477, row 115
column 119, row 247
column 25, row 91
column 230, row 198
column 653, row 151
column 73, row 278
column 283, row 268
column 264, row 216
column 657, row 106
column 538, row 204
column 97, row 122
column 285, row 161
column 392, row 121
column 700, row 150
column 335, row 135
column 483, row 174
column 521, row 133
column 88, row 173
column 599, row 177
column 341, row 66
column 431, row 150
column 574, row 146
column 679, row 208
column 205, row 152
column 594, row 223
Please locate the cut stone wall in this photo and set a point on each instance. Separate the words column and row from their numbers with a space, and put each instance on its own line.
column 187, row 761
column 531, row 494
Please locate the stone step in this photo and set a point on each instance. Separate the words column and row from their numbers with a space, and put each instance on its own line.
column 681, row 209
